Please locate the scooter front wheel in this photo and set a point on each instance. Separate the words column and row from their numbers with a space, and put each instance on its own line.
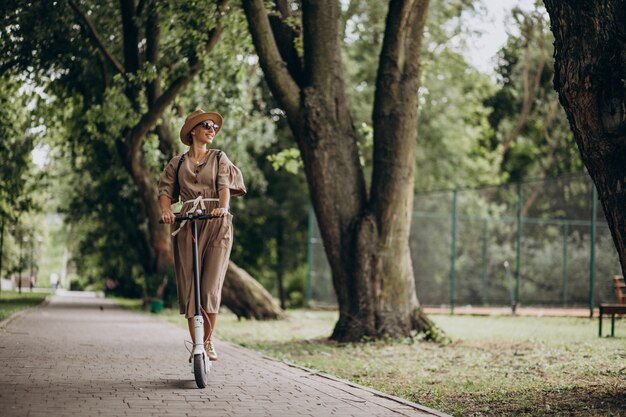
column 201, row 370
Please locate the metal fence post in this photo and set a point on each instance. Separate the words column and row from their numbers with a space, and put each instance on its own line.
column 453, row 252
column 592, row 260
column 309, row 255
column 1, row 249
column 518, row 246
column 485, row 262
column 565, row 277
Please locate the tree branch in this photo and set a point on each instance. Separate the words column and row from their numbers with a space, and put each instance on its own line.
column 131, row 36
column 135, row 135
column 285, row 35
column 140, row 6
column 320, row 26
column 530, row 94
column 549, row 160
column 214, row 36
column 396, row 102
column 97, row 39
column 401, row 48
column 153, row 40
column 167, row 140
column 413, row 44
column 150, row 118
column 285, row 89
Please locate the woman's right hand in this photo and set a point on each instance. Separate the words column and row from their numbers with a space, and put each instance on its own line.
column 168, row 216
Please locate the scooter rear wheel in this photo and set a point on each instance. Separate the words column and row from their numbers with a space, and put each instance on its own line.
column 201, row 370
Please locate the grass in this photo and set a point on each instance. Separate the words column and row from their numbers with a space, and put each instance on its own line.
column 493, row 366
column 11, row 302
column 134, row 304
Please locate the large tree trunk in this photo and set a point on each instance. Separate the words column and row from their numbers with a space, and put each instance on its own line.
column 366, row 239
column 395, row 139
column 1, row 247
column 247, row 298
column 590, row 63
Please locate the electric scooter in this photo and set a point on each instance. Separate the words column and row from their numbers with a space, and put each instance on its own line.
column 201, row 365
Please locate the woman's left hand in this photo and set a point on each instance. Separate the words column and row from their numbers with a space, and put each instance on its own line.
column 220, row 211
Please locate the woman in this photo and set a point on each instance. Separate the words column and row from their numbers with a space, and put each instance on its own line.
column 204, row 179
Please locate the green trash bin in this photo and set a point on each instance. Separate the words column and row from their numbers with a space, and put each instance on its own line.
column 156, row 306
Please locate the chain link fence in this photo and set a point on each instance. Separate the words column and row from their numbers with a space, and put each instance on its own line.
column 538, row 243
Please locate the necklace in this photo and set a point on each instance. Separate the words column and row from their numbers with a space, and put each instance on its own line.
column 197, row 160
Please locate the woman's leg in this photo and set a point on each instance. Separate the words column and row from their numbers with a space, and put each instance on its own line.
column 208, row 330
column 191, row 332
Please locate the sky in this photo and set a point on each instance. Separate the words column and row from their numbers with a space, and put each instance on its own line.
column 481, row 51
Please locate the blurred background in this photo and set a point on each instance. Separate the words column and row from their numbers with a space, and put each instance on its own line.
column 504, row 212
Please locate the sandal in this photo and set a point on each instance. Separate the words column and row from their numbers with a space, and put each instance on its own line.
column 210, row 350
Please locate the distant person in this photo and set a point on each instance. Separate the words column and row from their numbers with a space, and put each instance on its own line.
column 204, row 179
column 19, row 283
column 109, row 285
column 54, row 280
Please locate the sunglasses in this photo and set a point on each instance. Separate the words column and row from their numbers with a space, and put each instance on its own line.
column 209, row 126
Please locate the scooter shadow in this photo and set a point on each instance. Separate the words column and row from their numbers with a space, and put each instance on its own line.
column 167, row 384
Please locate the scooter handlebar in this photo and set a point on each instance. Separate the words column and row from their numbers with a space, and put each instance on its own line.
column 182, row 217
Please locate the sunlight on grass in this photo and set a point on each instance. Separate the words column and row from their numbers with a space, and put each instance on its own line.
column 129, row 303
column 299, row 325
column 12, row 302
column 493, row 366
column 548, row 329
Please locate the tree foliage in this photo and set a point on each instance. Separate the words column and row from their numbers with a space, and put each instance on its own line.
column 530, row 136
column 103, row 67
column 118, row 69
column 20, row 183
column 17, row 140
column 452, row 118
column 116, row 81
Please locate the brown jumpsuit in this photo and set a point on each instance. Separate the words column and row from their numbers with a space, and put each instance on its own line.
column 215, row 237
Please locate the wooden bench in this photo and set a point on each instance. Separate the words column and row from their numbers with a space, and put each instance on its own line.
column 614, row 309
column 620, row 289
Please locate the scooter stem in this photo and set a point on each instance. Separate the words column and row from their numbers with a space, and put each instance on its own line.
column 198, row 320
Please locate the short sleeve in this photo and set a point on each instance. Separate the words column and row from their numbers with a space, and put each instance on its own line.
column 167, row 181
column 229, row 176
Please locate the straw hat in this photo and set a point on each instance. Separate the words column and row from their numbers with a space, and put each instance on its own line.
column 195, row 118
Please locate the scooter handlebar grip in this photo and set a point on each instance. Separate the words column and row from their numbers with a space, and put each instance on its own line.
column 193, row 217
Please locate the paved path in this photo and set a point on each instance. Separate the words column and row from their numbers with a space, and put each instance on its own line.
column 77, row 356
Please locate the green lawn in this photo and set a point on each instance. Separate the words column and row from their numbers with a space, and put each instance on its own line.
column 493, row 366
column 11, row 302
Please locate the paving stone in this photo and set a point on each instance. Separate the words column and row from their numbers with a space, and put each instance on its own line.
column 85, row 356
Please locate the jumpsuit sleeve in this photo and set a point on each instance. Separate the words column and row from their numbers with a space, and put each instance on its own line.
column 168, row 179
column 229, row 176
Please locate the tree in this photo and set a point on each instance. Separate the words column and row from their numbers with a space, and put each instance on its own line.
column 366, row 234
column 590, row 64
column 452, row 117
column 530, row 134
column 273, row 229
column 138, row 56
column 16, row 144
